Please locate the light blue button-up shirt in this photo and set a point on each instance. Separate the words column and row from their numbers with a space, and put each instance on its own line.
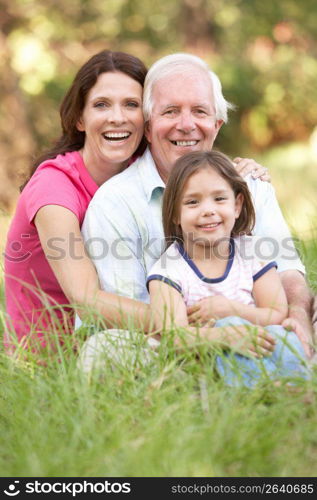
column 123, row 228
column 124, row 236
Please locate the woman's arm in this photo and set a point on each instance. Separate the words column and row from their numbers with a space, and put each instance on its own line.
column 169, row 310
column 61, row 240
column 270, row 299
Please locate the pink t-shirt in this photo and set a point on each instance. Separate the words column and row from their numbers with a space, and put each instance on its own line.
column 30, row 284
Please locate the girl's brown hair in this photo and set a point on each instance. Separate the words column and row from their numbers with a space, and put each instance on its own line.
column 183, row 169
column 73, row 103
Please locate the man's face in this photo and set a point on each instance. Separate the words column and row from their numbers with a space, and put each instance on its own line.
column 183, row 118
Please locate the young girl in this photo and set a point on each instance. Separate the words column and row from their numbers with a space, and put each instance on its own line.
column 207, row 217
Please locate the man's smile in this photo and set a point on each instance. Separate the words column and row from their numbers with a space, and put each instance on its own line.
column 185, row 143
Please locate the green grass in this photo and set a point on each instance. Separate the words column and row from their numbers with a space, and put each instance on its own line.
column 173, row 418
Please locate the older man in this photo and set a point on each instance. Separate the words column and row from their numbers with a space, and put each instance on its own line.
column 184, row 110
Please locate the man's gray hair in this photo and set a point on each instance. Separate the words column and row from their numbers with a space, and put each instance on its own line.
column 176, row 63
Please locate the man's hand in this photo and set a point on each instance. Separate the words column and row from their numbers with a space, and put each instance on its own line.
column 245, row 166
column 295, row 326
column 208, row 310
column 299, row 300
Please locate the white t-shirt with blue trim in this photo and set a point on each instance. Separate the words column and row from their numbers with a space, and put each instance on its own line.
column 178, row 270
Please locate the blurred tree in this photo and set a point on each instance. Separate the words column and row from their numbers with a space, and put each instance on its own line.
column 264, row 53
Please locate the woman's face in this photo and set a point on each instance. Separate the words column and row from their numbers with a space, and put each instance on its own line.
column 112, row 120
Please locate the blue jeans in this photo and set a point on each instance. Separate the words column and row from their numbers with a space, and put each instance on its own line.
column 286, row 361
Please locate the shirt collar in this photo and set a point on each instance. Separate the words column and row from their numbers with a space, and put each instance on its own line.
column 192, row 264
column 150, row 177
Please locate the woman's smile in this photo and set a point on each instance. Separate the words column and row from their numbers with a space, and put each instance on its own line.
column 112, row 120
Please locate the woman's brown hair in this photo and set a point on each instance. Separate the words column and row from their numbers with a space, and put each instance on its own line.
column 74, row 101
column 183, row 169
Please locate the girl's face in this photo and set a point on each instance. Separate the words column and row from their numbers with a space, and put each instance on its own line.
column 112, row 120
column 208, row 208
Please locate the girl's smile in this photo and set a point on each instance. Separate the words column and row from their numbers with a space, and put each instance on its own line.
column 209, row 227
column 208, row 209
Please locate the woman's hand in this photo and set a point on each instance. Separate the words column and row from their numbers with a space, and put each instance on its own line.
column 245, row 166
column 208, row 310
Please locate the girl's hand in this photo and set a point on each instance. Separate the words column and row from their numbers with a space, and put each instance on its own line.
column 248, row 340
column 245, row 166
column 251, row 341
column 207, row 310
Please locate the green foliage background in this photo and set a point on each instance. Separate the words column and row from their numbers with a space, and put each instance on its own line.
column 175, row 418
column 264, row 53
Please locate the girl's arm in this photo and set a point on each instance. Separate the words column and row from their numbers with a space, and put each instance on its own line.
column 169, row 310
column 167, row 305
column 62, row 242
column 270, row 299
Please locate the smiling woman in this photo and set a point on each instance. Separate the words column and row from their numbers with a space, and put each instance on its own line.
column 46, row 267
column 112, row 120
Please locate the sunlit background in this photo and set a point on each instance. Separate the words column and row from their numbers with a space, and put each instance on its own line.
column 263, row 51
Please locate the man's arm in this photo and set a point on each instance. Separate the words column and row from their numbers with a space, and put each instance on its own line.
column 271, row 226
column 299, row 301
